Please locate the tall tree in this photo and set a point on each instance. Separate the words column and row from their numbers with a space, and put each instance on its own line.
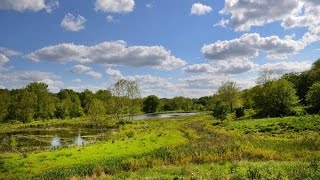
column 45, row 107
column 151, row 104
column 127, row 97
column 134, row 96
column 247, row 98
column 106, row 97
column 23, row 105
column 96, row 110
column 119, row 90
column 229, row 93
column 276, row 98
column 303, row 81
column 70, row 104
column 313, row 97
column 86, row 97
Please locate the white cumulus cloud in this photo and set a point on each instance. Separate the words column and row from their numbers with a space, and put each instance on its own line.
column 109, row 53
column 237, row 66
column 116, row 74
column 28, row 5
column 72, row 23
column 5, row 55
column 200, row 9
column 20, row 79
column 94, row 74
column 110, row 18
column 244, row 14
column 86, row 70
column 80, row 68
column 249, row 46
column 114, row 6
column 3, row 59
column 287, row 66
column 199, row 68
column 222, row 67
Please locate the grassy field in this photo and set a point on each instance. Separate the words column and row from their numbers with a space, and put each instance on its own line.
column 195, row 147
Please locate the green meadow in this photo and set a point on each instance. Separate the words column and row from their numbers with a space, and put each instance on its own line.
column 193, row 147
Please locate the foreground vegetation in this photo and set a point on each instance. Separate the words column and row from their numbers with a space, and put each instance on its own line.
column 182, row 147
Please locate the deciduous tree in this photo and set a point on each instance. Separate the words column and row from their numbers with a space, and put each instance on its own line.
column 313, row 97
column 229, row 94
column 96, row 111
column 276, row 98
column 151, row 104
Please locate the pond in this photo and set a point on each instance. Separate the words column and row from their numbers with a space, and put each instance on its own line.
column 36, row 139
column 166, row 115
column 42, row 139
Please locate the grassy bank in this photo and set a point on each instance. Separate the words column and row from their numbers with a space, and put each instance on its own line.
column 180, row 147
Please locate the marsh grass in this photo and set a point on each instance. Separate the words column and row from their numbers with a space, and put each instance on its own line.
column 195, row 147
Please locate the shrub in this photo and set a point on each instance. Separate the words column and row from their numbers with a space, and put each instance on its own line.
column 220, row 110
column 253, row 173
column 240, row 112
column 299, row 111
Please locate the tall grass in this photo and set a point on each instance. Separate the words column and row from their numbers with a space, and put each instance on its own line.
column 194, row 147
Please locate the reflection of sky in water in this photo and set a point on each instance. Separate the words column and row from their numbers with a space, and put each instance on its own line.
column 79, row 141
column 55, row 143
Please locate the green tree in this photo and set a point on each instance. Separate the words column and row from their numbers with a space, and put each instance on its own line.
column 127, row 98
column 313, row 97
column 86, row 97
column 119, row 90
column 134, row 96
column 167, row 105
column 187, row 104
column 23, row 105
column 96, row 111
column 220, row 110
column 229, row 94
column 207, row 102
column 70, row 104
column 151, row 104
column 247, row 98
column 106, row 97
column 303, row 81
column 276, row 98
column 45, row 107
column 62, row 110
column 4, row 104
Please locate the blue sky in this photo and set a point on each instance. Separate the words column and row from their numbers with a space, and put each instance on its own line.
column 170, row 48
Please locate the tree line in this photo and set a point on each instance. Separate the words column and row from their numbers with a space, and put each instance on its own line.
column 291, row 94
column 122, row 100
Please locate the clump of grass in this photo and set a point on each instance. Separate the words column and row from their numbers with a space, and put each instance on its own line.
column 130, row 134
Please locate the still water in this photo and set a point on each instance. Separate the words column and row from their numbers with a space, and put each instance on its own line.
column 42, row 139
column 151, row 116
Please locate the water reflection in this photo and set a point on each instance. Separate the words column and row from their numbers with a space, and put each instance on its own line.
column 79, row 141
column 166, row 115
column 55, row 143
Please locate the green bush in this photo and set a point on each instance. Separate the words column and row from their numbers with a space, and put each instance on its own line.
column 299, row 111
column 130, row 134
column 240, row 112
